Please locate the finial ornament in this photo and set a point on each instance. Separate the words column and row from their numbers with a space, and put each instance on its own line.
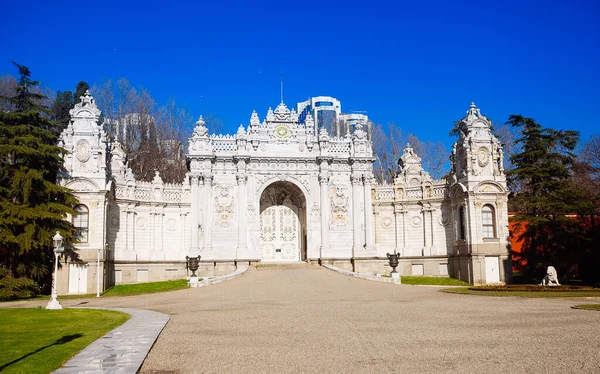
column 241, row 130
column 200, row 129
column 200, row 121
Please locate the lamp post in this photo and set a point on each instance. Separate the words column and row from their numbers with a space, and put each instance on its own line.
column 57, row 240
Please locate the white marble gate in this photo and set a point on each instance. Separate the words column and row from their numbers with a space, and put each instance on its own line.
column 280, row 226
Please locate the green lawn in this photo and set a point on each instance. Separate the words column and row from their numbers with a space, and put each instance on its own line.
column 41, row 341
column 467, row 291
column 142, row 288
column 435, row 281
column 588, row 306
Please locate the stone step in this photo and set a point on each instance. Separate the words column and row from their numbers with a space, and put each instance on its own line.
column 284, row 265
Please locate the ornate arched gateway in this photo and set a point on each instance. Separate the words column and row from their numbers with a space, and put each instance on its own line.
column 287, row 189
column 282, row 223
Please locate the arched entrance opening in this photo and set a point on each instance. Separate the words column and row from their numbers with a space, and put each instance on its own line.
column 282, row 223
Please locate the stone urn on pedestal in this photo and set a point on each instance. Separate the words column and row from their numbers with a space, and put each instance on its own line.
column 193, row 263
column 394, row 260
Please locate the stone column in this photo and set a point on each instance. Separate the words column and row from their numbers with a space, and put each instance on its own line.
column 357, row 247
column 208, row 216
column 128, row 226
column 152, row 227
column 161, row 228
column 195, row 216
column 369, row 243
column 431, row 215
column 400, row 219
column 325, row 213
column 242, row 178
column 425, row 241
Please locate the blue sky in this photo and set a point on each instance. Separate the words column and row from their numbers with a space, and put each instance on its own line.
column 418, row 63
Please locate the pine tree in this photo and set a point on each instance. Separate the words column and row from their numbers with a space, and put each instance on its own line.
column 548, row 199
column 80, row 91
column 24, row 98
column 32, row 206
column 59, row 112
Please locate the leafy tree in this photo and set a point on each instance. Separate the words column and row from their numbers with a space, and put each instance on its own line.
column 7, row 89
column 153, row 138
column 32, row 206
column 548, row 200
column 587, row 178
column 389, row 147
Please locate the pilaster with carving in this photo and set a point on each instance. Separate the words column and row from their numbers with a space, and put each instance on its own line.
column 242, row 206
column 358, row 235
column 195, row 181
column 325, row 204
column 208, row 217
column 400, row 224
column 369, row 238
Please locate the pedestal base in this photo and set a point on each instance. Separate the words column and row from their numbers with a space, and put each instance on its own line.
column 396, row 278
column 193, row 282
column 53, row 304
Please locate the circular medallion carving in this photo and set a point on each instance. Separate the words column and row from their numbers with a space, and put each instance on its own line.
column 171, row 224
column 443, row 219
column 416, row 221
column 282, row 132
column 483, row 157
column 141, row 223
column 386, row 223
column 114, row 221
column 82, row 151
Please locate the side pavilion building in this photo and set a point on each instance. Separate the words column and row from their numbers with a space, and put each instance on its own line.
column 283, row 190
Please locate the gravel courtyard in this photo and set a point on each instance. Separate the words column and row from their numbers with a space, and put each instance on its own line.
column 308, row 320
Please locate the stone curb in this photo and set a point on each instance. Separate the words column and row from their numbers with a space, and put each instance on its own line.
column 363, row 276
column 121, row 350
column 580, row 308
column 222, row 278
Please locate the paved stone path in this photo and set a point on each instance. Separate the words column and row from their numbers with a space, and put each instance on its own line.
column 309, row 320
column 123, row 349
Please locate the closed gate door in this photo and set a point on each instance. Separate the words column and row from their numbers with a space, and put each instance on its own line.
column 77, row 278
column 279, row 233
column 492, row 271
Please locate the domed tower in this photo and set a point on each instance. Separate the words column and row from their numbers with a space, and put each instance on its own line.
column 478, row 195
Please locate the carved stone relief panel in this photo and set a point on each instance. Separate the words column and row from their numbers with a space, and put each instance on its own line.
column 224, row 206
column 339, row 207
column 83, row 151
column 315, row 212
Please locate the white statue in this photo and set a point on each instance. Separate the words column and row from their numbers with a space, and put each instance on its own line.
column 551, row 278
